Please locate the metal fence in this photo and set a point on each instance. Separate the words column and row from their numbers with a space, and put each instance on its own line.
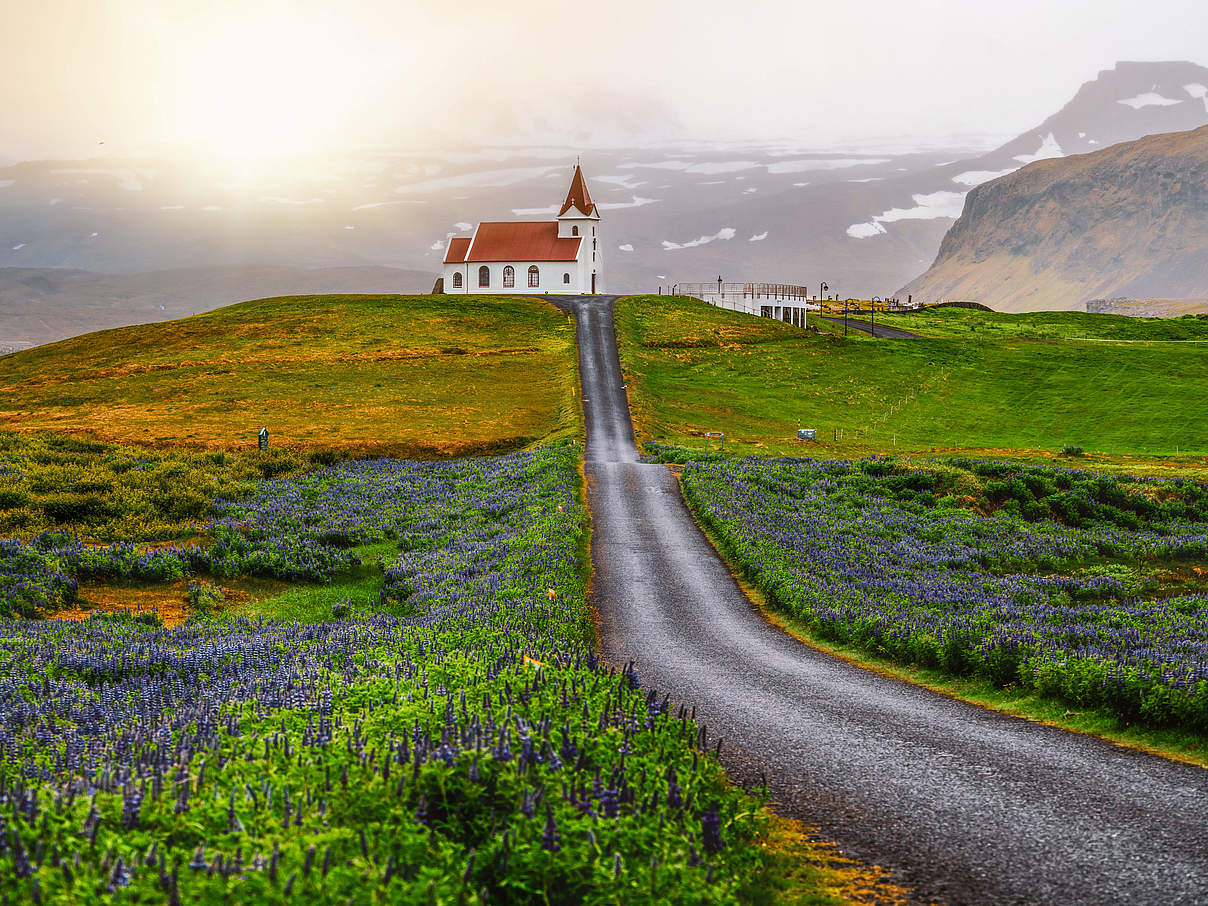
column 783, row 291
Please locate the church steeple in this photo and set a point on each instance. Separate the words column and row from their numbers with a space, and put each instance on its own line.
column 578, row 197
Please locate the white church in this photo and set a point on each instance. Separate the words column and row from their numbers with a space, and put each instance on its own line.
column 546, row 257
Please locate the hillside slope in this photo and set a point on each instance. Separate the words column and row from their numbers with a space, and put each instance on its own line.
column 418, row 376
column 1106, row 383
column 41, row 305
column 1131, row 220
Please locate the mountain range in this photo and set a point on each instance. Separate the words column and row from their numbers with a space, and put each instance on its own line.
column 1130, row 220
column 865, row 220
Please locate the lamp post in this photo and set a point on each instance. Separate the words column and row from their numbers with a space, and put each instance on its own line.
column 875, row 300
column 821, row 295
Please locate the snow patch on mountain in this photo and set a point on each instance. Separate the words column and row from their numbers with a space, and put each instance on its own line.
column 5, row 183
column 927, row 206
column 759, row 237
column 626, row 247
column 19, row 246
column 624, row 181
column 1198, row 92
column 1048, row 149
column 707, row 168
column 637, row 202
column 865, row 230
column 1148, row 99
column 485, row 179
column 807, row 164
column 724, row 233
column 977, row 177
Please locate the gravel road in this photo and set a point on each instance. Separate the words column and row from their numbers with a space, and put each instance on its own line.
column 963, row 804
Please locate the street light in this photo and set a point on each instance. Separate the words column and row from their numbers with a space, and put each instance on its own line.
column 821, row 295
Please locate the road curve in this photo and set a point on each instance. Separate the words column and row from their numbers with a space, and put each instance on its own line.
column 880, row 330
column 963, row 804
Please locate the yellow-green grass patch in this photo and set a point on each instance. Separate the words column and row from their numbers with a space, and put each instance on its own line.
column 415, row 376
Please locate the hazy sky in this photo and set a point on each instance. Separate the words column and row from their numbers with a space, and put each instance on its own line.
column 257, row 77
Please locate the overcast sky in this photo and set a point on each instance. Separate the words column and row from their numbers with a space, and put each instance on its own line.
column 258, row 77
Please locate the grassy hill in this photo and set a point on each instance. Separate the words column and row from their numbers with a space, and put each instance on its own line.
column 693, row 368
column 413, row 376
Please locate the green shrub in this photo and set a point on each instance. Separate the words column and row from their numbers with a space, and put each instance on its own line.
column 73, row 507
column 114, row 493
column 13, row 498
column 203, row 598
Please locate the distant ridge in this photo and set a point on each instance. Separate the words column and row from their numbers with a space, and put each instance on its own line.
column 1128, row 221
column 40, row 305
column 864, row 219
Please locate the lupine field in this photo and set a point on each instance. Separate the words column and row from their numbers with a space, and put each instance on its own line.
column 452, row 739
column 1087, row 588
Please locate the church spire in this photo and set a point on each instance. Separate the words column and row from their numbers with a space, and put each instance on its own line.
column 578, row 197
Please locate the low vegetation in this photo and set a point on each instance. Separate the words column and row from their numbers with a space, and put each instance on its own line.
column 414, row 376
column 105, row 492
column 692, row 368
column 1084, row 588
column 443, row 733
column 973, row 324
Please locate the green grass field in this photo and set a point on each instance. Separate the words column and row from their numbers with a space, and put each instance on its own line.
column 969, row 324
column 693, row 368
column 413, row 376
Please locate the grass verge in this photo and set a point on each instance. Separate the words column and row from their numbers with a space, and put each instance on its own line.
column 1012, row 700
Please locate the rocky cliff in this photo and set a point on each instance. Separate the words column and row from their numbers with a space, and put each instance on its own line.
column 1130, row 220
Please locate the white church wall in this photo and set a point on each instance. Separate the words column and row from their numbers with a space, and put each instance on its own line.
column 550, row 278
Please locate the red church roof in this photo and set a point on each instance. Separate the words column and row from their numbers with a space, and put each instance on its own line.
column 521, row 241
column 457, row 249
column 578, row 197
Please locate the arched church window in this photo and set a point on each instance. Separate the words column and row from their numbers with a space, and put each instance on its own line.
column 574, row 231
column 484, row 276
column 509, row 276
column 566, row 278
column 534, row 276
column 457, row 279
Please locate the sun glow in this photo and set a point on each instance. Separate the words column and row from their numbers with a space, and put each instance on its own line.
column 255, row 108
column 265, row 88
